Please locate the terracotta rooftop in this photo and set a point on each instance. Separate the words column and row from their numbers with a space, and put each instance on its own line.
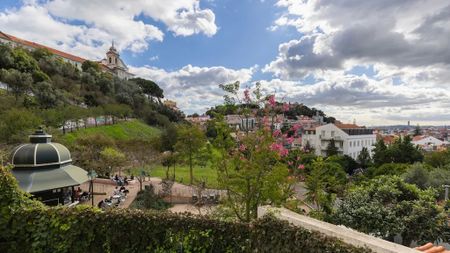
column 418, row 138
column 430, row 248
column 36, row 45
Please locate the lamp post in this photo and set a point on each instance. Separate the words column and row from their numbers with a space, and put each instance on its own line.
column 91, row 175
column 446, row 191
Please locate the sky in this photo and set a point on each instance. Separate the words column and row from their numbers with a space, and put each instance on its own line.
column 376, row 62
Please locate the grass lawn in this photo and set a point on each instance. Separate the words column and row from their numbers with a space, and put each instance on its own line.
column 182, row 174
column 123, row 131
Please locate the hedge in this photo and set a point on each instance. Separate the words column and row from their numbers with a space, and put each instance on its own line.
column 28, row 226
column 84, row 229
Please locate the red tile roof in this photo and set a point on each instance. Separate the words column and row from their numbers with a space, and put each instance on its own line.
column 418, row 138
column 36, row 45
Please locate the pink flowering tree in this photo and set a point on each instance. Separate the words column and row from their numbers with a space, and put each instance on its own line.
column 251, row 163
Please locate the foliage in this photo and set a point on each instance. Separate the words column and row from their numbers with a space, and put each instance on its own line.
column 147, row 199
column 401, row 151
column 347, row 162
column 326, row 181
column 111, row 160
column 190, row 146
column 364, row 159
column 332, row 149
column 90, row 65
column 15, row 124
column 387, row 169
column 437, row 158
column 387, row 206
column 424, row 177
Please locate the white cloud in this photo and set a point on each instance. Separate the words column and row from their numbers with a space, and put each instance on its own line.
column 405, row 41
column 194, row 88
column 87, row 27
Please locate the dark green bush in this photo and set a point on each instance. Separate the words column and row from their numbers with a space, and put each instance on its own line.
column 86, row 230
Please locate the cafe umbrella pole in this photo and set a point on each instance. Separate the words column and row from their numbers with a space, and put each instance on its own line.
column 92, row 175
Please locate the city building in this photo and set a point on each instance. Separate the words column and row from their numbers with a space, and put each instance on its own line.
column 171, row 104
column 239, row 122
column 429, row 143
column 348, row 138
column 112, row 63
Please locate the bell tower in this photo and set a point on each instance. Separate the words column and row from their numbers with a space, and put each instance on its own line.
column 112, row 56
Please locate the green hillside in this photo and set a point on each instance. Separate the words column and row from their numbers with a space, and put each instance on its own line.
column 122, row 131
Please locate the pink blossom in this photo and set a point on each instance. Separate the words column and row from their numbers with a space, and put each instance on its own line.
column 242, row 147
column 290, row 163
column 298, row 158
column 296, row 127
column 283, row 152
column 286, row 107
column 290, row 140
column 272, row 101
column 276, row 133
column 276, row 147
column 301, row 167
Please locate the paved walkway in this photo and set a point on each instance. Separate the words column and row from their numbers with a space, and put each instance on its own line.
column 181, row 194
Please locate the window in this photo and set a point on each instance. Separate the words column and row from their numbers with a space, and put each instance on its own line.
column 357, row 143
column 332, row 133
column 110, row 60
column 323, row 133
column 350, row 143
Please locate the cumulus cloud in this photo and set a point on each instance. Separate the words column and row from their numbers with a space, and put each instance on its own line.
column 194, row 88
column 87, row 27
column 404, row 42
column 398, row 33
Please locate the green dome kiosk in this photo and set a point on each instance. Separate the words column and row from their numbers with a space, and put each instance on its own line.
column 45, row 170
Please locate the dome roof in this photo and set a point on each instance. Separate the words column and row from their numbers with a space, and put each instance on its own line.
column 41, row 152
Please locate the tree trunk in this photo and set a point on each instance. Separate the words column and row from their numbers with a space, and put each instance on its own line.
column 247, row 204
column 95, row 120
column 190, row 169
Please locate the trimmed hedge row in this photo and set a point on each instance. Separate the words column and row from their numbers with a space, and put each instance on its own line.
column 84, row 229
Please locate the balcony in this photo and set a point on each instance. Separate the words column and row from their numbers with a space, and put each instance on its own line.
column 329, row 138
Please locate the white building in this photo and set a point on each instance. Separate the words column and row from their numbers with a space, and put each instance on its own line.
column 348, row 138
column 428, row 143
column 112, row 64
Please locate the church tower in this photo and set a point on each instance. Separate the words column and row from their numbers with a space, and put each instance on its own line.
column 112, row 57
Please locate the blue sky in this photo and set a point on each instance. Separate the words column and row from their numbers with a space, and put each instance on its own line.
column 370, row 63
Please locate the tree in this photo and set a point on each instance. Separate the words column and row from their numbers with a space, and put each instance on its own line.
column 332, row 149
column 387, row 206
column 251, row 172
column 364, row 158
column 17, row 124
column 149, row 87
column 396, row 169
column 347, row 162
column 417, row 174
column 191, row 141
column 380, row 153
column 112, row 159
column 437, row 158
column 87, row 66
column 168, row 138
column 324, row 183
column 18, row 83
column 403, row 151
column 23, row 61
